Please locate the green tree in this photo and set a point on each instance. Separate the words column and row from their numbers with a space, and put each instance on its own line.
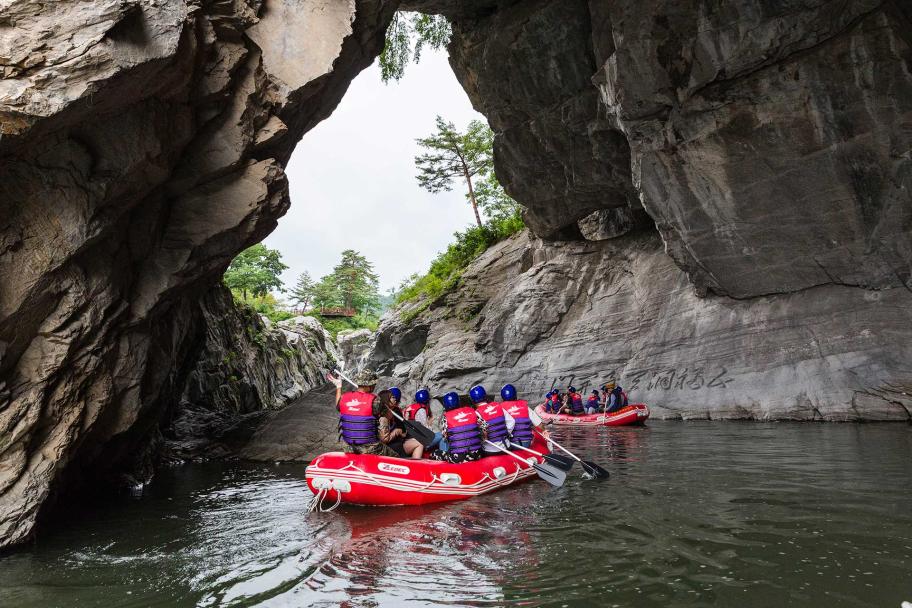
column 326, row 293
column 493, row 200
column 303, row 291
column 406, row 36
column 357, row 283
column 256, row 270
column 453, row 155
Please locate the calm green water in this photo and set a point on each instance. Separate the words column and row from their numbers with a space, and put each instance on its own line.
column 695, row 514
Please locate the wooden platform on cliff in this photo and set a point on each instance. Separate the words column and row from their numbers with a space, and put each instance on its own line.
column 338, row 312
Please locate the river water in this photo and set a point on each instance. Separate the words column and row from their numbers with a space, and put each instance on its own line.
column 695, row 514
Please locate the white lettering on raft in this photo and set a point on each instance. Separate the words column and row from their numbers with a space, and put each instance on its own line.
column 393, row 468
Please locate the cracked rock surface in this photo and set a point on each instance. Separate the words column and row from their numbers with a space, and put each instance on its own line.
column 142, row 145
column 769, row 141
column 540, row 314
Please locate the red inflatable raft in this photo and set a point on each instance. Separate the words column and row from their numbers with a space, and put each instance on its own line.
column 633, row 414
column 357, row 479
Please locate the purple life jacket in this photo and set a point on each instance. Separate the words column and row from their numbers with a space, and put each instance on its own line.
column 357, row 423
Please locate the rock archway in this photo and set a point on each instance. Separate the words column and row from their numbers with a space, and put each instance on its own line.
column 143, row 146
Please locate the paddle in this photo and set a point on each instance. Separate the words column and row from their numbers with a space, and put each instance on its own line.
column 414, row 429
column 561, row 462
column 550, row 474
column 591, row 468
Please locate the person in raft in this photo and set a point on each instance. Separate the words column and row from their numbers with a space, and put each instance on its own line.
column 521, row 420
column 493, row 421
column 397, row 398
column 575, row 401
column 360, row 414
column 615, row 397
column 461, row 432
column 420, row 411
column 592, row 403
column 552, row 402
column 391, row 430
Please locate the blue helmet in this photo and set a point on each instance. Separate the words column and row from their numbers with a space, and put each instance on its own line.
column 571, row 389
column 423, row 396
column 508, row 392
column 397, row 394
column 478, row 393
column 450, row 401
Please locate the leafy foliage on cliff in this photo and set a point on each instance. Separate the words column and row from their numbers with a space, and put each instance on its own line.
column 352, row 284
column 256, row 271
column 406, row 37
column 335, row 325
column 447, row 267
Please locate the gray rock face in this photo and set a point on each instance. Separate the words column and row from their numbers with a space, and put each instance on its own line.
column 770, row 142
column 354, row 346
column 540, row 314
column 244, row 368
column 141, row 147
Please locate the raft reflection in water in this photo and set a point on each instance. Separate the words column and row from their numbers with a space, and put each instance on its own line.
column 393, row 556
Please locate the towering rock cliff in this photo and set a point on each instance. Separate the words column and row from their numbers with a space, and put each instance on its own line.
column 769, row 141
column 141, row 147
column 768, row 144
column 541, row 314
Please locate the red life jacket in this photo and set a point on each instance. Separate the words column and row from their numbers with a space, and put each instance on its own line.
column 357, row 423
column 412, row 410
column 519, row 410
column 493, row 414
column 463, row 434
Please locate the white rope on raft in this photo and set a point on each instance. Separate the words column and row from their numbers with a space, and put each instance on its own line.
column 316, row 503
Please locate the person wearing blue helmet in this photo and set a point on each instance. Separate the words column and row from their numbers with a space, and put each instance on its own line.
column 592, row 403
column 461, row 431
column 575, row 401
column 553, row 402
column 494, row 423
column 421, row 409
column 521, row 419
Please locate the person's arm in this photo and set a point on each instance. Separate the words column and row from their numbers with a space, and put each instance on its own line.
column 511, row 422
column 421, row 416
column 537, row 423
column 384, row 432
column 338, row 383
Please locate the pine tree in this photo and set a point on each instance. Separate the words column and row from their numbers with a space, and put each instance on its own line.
column 356, row 282
column 303, row 291
column 453, row 155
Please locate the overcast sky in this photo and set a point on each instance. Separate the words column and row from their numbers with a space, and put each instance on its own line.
column 352, row 178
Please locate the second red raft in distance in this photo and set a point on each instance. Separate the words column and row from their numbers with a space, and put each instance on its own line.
column 362, row 479
column 631, row 415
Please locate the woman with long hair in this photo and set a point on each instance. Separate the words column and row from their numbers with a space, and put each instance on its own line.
column 391, row 431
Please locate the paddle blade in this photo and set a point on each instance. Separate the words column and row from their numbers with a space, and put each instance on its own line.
column 561, row 462
column 552, row 475
column 416, row 430
column 594, row 470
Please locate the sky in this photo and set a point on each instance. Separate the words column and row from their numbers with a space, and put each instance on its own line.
column 352, row 178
